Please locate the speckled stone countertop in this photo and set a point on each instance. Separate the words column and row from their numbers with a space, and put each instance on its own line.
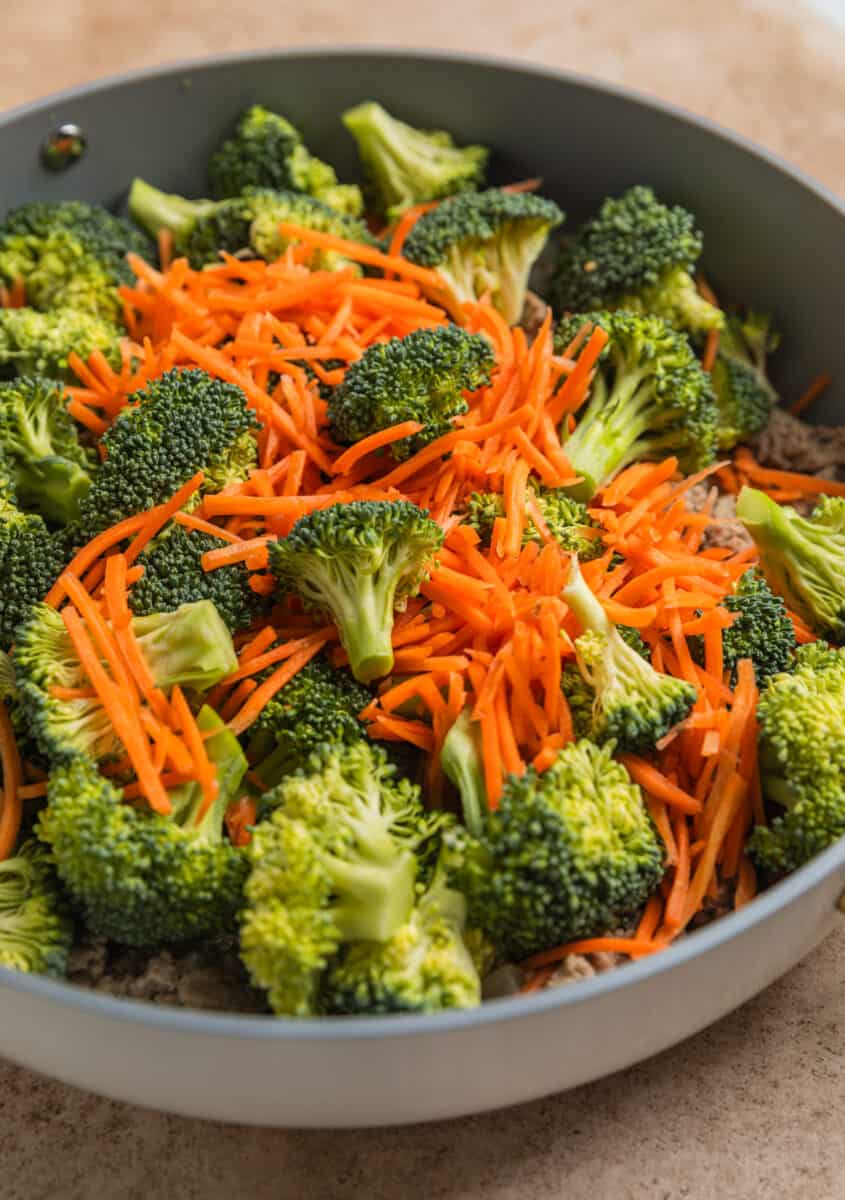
column 748, row 1110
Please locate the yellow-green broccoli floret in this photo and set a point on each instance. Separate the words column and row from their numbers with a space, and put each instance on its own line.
column 567, row 520
column 36, row 930
column 39, row 343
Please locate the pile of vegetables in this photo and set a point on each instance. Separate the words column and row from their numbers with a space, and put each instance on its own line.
column 343, row 617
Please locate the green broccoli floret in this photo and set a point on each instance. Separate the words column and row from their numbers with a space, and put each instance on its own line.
column 483, row 242
column 357, row 563
column 35, row 929
column 69, row 255
column 636, row 254
column 761, row 631
column 183, row 422
column 190, row 647
column 567, row 519
column 202, row 228
column 143, row 879
column 266, row 151
column 744, row 396
column 421, row 377
column 50, row 470
column 406, row 166
column 581, row 696
column 31, row 561
column 334, row 863
column 649, row 399
column 462, row 762
column 803, row 558
column 802, row 761
column 426, row 966
column 36, row 343
column 633, row 705
column 316, row 710
column 173, row 576
column 570, row 853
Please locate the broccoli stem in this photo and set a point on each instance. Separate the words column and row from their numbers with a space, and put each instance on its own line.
column 462, row 764
column 362, row 606
column 53, row 486
column 584, row 604
column 375, row 896
column 602, row 442
column 155, row 210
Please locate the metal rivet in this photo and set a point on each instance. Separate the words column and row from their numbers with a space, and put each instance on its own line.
column 63, row 148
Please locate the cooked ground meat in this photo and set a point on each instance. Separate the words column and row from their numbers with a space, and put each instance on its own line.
column 725, row 529
column 789, row 444
column 533, row 314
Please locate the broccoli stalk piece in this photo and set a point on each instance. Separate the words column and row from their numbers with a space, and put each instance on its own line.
column 266, row 151
column 50, row 470
column 317, row 710
column 462, row 762
column 761, row 631
column 567, row 520
column 744, row 396
column 483, row 242
column 334, row 863
column 802, row 761
column 406, row 166
column 634, row 706
column 248, row 223
column 357, row 563
column 636, row 254
column 69, row 255
column 31, row 561
column 139, row 878
column 35, row 929
column 568, row 853
column 36, row 343
column 649, row 399
column 426, row 966
column 803, row 558
column 421, row 377
column 190, row 647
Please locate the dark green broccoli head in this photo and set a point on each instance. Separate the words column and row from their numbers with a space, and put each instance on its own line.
column 202, row 228
column 36, row 343
column 50, row 470
column 483, row 242
column 406, row 166
column 744, row 396
column 31, row 560
column 802, row 760
column 649, row 399
column 173, row 576
column 69, row 255
column 334, row 863
column 139, row 878
column 317, row 709
column 357, row 563
column 36, row 931
column 421, row 377
column 635, row 254
column 803, row 558
column 183, row 422
column 567, row 519
column 266, row 151
column 761, row 631
column 570, row 853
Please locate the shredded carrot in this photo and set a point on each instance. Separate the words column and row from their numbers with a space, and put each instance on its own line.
column 819, row 385
column 597, row 945
column 376, row 441
column 11, row 810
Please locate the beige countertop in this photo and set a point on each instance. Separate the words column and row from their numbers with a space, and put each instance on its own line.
column 749, row 1109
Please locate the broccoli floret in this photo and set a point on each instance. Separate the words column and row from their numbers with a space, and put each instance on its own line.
column 567, row 519
column 761, row 631
column 483, row 242
column 803, row 558
column 421, row 377
column 266, row 151
column 406, row 166
column 69, row 255
column 31, row 560
column 50, row 470
column 802, row 760
column 316, row 710
column 636, row 254
column 334, row 863
column 140, row 878
column 570, row 853
column 426, row 966
column 35, row 929
column 633, row 705
column 649, row 399
column 202, row 228
column 173, row 576
column 183, row 422
column 36, row 343
column 190, row 647
column 462, row 762
column 744, row 396
column 358, row 562
column 581, row 696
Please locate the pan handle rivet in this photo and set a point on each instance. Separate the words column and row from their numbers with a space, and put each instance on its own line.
column 63, row 148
